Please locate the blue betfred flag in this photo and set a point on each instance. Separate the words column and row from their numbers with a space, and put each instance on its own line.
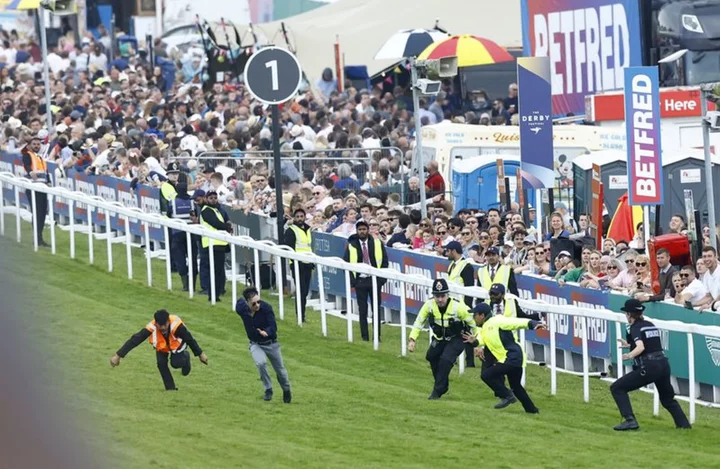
column 536, row 128
column 642, row 127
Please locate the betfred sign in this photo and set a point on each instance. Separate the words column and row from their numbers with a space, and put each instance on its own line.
column 674, row 103
column 589, row 43
column 642, row 126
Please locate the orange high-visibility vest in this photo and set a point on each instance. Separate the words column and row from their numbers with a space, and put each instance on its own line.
column 157, row 339
column 38, row 164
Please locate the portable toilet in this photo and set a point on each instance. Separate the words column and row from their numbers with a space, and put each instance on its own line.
column 682, row 170
column 475, row 181
column 613, row 174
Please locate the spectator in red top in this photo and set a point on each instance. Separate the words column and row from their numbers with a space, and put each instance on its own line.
column 434, row 184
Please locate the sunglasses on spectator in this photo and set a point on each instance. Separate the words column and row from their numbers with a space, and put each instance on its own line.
column 466, row 233
column 684, row 275
column 471, row 222
column 629, row 261
column 612, row 267
column 640, row 264
column 485, row 237
column 374, row 224
column 539, row 251
column 442, row 233
column 424, row 225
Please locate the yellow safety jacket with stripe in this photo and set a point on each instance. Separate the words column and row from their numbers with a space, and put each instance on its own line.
column 502, row 275
column 303, row 240
column 446, row 325
column 499, row 336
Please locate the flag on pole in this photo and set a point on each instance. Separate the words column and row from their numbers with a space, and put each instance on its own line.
column 625, row 220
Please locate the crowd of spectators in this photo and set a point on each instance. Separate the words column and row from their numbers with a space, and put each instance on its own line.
column 126, row 118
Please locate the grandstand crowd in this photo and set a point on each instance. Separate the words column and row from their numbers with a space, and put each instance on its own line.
column 347, row 155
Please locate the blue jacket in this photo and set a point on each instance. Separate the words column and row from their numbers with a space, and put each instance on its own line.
column 264, row 320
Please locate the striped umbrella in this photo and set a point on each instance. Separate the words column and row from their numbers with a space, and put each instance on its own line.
column 408, row 43
column 470, row 51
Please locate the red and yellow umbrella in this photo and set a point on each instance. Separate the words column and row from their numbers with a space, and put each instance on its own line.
column 470, row 51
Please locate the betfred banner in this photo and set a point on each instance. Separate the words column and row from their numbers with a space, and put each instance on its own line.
column 589, row 43
column 642, row 127
column 536, row 128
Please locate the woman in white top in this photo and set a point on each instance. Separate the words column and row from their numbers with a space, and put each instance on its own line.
column 626, row 279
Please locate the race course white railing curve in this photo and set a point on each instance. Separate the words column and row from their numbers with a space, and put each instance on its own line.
column 8, row 180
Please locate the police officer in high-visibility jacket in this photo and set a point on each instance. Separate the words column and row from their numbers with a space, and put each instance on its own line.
column 496, row 272
column 650, row 365
column 181, row 208
column 168, row 189
column 461, row 272
column 496, row 334
column 299, row 237
column 448, row 319
column 36, row 170
column 214, row 220
column 170, row 338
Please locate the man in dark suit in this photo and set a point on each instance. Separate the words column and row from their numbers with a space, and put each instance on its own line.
column 364, row 249
column 666, row 271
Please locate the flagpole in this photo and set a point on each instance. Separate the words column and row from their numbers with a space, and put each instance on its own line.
column 539, row 214
column 646, row 225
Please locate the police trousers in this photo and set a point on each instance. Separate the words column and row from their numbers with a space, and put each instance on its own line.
column 364, row 293
column 179, row 257
column 177, row 360
column 41, row 201
column 653, row 371
column 218, row 253
column 261, row 353
column 494, row 376
column 442, row 356
column 302, row 285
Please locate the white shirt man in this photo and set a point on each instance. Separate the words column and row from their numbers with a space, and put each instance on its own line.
column 697, row 291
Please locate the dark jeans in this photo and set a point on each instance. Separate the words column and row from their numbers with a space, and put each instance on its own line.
column 494, row 377
column 218, row 253
column 442, row 355
column 204, row 269
column 177, row 360
column 40, row 212
column 657, row 372
column 302, row 285
column 364, row 293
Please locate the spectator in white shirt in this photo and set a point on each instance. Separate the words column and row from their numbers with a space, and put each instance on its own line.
column 711, row 278
column 298, row 135
column 321, row 198
column 98, row 58
column 217, row 182
column 627, row 278
column 691, row 290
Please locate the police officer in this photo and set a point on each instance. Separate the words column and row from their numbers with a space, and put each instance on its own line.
column 170, row 338
column 495, row 333
column 181, row 208
column 299, row 237
column 461, row 272
column 215, row 220
column 168, row 189
column 448, row 319
column 496, row 272
column 362, row 248
column 36, row 169
column 649, row 366
column 200, row 199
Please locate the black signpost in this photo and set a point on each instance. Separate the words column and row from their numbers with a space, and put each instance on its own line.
column 273, row 76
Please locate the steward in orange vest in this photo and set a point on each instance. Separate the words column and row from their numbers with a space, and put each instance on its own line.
column 169, row 337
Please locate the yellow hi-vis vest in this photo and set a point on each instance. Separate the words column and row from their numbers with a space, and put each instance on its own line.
column 502, row 275
column 377, row 247
column 499, row 335
column 167, row 190
column 456, row 310
column 455, row 270
column 205, row 239
column 303, row 240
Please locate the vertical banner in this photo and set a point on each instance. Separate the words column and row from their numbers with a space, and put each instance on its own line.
column 690, row 214
column 597, row 204
column 536, row 131
column 501, row 180
column 642, row 125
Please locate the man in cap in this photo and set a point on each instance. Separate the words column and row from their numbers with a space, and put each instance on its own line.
column 298, row 236
column 362, row 248
column 215, row 220
column 168, row 189
column 496, row 272
column 461, row 272
column 448, row 318
column 508, row 307
column 36, row 169
column 495, row 334
column 650, row 365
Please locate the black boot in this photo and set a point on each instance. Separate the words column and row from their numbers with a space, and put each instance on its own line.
column 187, row 366
column 287, row 396
column 184, row 279
column 629, row 424
column 506, row 402
column 268, row 395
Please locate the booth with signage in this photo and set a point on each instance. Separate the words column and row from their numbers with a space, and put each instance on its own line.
column 475, row 181
column 613, row 174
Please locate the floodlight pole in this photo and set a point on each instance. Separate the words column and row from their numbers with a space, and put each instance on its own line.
column 708, row 171
column 46, row 68
column 418, row 138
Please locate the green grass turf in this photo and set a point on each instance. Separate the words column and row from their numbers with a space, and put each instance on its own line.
column 352, row 407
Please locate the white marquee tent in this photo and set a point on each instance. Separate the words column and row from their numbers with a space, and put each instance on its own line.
column 362, row 26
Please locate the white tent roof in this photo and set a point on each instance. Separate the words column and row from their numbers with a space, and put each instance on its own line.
column 601, row 158
column 363, row 26
column 468, row 165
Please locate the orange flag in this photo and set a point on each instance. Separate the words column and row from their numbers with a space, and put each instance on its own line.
column 624, row 221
